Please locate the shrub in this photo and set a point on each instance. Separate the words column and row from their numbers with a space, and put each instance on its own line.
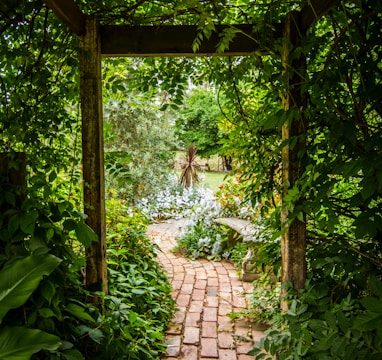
column 139, row 305
column 173, row 201
column 231, row 198
column 52, row 319
column 338, row 314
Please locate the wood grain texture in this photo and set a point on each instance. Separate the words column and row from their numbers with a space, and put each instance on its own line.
column 93, row 153
column 176, row 41
column 293, row 241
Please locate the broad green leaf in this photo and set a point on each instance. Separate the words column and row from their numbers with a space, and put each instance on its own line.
column 49, row 233
column 138, row 291
column 19, row 343
column 368, row 187
column 325, row 342
column 343, row 322
column 10, row 198
column 13, row 224
column 96, row 335
column 21, row 278
column 72, row 355
column 70, row 224
column 339, row 347
column 85, row 234
column 318, row 326
column 38, row 246
column 79, row 312
column 375, row 286
column 372, row 304
column 28, row 221
column 330, row 319
column 46, row 312
column 48, row 290
column 368, row 321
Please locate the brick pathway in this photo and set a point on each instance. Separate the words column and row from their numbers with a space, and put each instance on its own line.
column 205, row 292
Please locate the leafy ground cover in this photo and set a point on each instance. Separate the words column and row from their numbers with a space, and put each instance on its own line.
column 45, row 312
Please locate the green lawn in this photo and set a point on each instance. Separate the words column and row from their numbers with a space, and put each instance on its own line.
column 213, row 180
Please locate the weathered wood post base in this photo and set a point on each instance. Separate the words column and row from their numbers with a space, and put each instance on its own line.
column 93, row 153
column 293, row 242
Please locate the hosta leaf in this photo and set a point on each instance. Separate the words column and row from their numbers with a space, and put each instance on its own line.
column 19, row 343
column 21, row 278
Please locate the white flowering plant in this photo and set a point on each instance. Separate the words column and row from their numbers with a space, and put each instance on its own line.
column 200, row 236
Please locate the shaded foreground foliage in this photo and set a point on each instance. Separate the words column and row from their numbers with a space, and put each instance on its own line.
column 339, row 193
column 45, row 311
column 43, row 303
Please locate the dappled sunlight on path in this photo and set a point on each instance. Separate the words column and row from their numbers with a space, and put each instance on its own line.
column 205, row 292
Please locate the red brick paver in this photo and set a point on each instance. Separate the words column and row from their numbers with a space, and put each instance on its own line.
column 205, row 292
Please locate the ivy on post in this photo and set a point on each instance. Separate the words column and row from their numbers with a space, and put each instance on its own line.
column 93, row 153
column 293, row 244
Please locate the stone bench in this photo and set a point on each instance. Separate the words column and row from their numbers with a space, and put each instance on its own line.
column 247, row 232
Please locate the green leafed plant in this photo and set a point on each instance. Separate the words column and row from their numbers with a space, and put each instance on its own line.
column 19, row 279
column 20, row 343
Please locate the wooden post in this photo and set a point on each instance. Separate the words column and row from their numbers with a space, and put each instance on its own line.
column 293, row 244
column 12, row 181
column 13, row 175
column 93, row 153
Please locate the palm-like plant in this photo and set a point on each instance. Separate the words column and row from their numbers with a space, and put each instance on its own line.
column 189, row 175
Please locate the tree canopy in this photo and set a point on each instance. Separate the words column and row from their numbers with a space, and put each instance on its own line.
column 197, row 122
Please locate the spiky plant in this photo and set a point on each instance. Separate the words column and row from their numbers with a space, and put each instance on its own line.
column 189, row 175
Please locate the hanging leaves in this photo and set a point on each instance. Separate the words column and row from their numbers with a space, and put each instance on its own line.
column 19, row 279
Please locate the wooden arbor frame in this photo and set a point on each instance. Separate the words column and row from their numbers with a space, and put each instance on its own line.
column 97, row 41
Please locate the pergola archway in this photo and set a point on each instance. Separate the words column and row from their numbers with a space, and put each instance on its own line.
column 98, row 41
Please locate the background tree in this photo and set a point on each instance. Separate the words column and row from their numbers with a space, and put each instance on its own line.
column 197, row 121
column 139, row 148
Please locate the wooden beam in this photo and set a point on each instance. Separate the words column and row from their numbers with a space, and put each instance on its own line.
column 93, row 153
column 293, row 242
column 314, row 10
column 69, row 13
column 175, row 40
